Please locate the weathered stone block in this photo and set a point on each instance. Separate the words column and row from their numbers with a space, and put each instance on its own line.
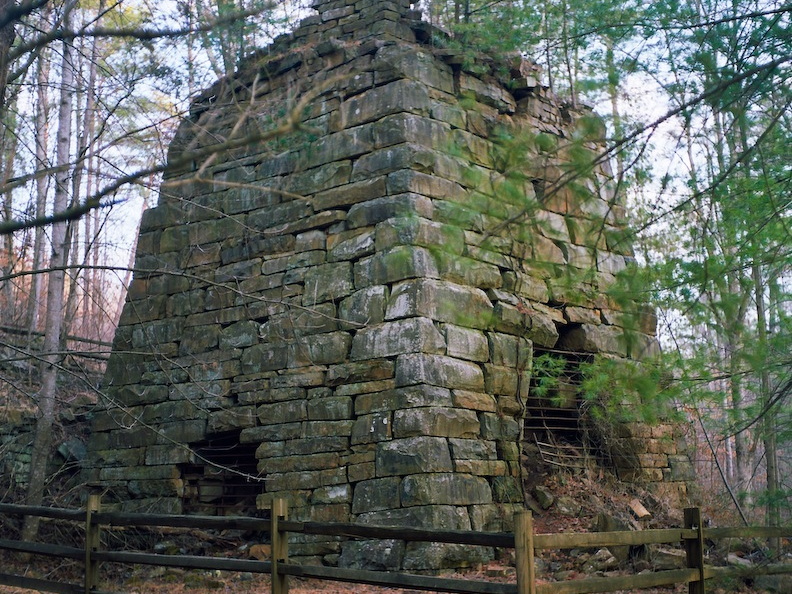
column 474, row 400
column 199, row 339
column 342, row 145
column 527, row 286
column 319, row 349
column 493, row 517
column 423, row 556
column 174, row 239
column 444, row 489
column 442, row 301
column 353, row 247
column 310, row 479
column 375, row 211
column 419, row 231
column 184, row 304
column 311, row 445
column 361, row 471
column 450, row 517
column 168, row 411
column 464, row 343
column 413, row 455
column 433, row 186
column 291, row 410
column 396, row 264
column 408, row 397
column 394, row 158
column 400, row 95
column 411, row 335
column 438, row 370
column 438, row 421
column 216, row 297
column 328, row 428
column 377, row 494
column 136, row 394
column 323, row 461
column 487, row 93
column 319, row 178
column 372, row 555
column 270, row 449
column 482, row 467
column 451, row 114
column 270, row 433
column 501, row 380
column 415, row 64
column 264, row 357
column 543, row 331
column 507, row 489
column 303, row 377
column 503, row 349
column 241, row 334
column 157, row 332
column 165, row 454
column 594, row 339
column 231, row 419
column 361, row 191
column 182, row 431
column 414, row 129
column 370, row 428
column 310, row 240
column 334, row 494
column 352, row 373
column 364, row 307
column 681, row 468
column 509, row 319
column 144, row 310
column 328, row 282
column 496, row 427
column 472, row 449
column 331, row 408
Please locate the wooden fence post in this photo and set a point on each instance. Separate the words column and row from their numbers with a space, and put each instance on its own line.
column 92, row 540
column 280, row 546
column 694, row 548
column 524, row 552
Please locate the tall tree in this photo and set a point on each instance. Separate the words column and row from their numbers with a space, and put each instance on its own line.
column 723, row 64
column 51, row 357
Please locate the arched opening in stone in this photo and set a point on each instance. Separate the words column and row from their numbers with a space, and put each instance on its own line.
column 222, row 481
column 556, row 428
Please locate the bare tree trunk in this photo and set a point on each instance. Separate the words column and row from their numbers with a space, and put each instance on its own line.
column 94, row 289
column 54, row 316
column 77, row 304
column 42, row 146
column 7, row 36
column 773, row 510
column 613, row 94
column 8, row 142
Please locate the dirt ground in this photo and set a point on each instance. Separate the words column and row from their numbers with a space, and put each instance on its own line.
column 201, row 582
column 158, row 580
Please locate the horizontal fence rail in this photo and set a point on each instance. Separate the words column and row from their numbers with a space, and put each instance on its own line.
column 692, row 537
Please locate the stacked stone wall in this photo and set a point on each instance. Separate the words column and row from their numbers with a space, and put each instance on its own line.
column 359, row 298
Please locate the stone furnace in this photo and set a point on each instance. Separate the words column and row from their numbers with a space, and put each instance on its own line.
column 361, row 238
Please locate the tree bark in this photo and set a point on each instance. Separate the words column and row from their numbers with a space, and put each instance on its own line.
column 42, row 147
column 54, row 317
column 7, row 36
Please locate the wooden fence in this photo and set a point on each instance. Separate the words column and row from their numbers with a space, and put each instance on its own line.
column 692, row 537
